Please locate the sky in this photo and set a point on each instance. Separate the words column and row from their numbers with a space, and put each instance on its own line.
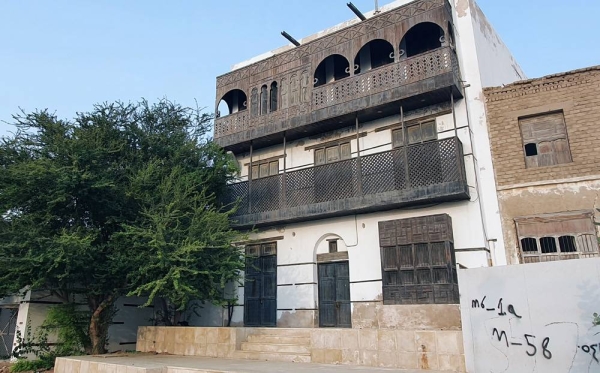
column 66, row 56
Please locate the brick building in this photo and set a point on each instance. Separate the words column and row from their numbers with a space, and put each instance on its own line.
column 543, row 140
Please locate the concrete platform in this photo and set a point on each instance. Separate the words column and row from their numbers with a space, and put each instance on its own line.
column 144, row 363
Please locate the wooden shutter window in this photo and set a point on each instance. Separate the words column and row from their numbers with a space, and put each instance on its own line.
column 274, row 168
column 545, row 140
column 319, row 156
column 263, row 170
column 345, row 151
column 333, row 154
column 428, row 131
column 415, row 134
column 397, row 138
column 421, row 267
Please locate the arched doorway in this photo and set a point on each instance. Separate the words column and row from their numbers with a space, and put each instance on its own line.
column 335, row 309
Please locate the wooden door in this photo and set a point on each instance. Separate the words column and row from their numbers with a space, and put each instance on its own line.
column 334, row 295
column 260, row 291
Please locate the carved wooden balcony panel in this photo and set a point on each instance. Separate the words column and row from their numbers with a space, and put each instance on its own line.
column 440, row 62
column 421, row 173
column 411, row 70
column 302, row 107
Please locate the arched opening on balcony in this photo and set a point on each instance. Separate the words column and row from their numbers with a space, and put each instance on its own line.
column 232, row 102
column 421, row 38
column 274, row 96
column 332, row 68
column 372, row 55
column 264, row 100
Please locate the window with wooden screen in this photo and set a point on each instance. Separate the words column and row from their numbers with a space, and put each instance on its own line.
column 414, row 134
column 264, row 169
column 418, row 261
column 332, row 153
column 557, row 237
column 545, row 140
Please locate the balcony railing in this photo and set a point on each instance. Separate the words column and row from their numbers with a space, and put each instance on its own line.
column 408, row 71
column 394, row 75
column 417, row 174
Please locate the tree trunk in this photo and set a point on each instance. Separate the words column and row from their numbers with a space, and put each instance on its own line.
column 99, row 323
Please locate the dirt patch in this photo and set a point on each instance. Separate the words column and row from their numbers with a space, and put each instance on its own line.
column 5, row 367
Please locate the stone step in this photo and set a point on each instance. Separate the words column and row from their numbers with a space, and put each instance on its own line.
column 272, row 356
column 276, row 339
column 282, row 348
column 283, row 332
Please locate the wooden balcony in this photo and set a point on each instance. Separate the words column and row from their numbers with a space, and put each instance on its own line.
column 414, row 82
column 418, row 174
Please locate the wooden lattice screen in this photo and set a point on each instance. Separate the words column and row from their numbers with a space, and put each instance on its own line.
column 418, row 261
column 430, row 163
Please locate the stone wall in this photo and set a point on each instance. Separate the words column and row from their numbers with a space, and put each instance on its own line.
column 533, row 191
column 189, row 341
column 403, row 349
column 576, row 93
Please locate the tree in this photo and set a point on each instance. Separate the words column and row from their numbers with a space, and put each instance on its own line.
column 121, row 200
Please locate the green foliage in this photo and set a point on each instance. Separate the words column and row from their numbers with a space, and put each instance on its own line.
column 42, row 364
column 121, row 200
column 31, row 343
column 596, row 319
column 70, row 326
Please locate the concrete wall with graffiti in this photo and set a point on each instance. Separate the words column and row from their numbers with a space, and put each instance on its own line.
column 532, row 317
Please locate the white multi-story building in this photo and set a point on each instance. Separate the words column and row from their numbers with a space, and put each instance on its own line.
column 366, row 170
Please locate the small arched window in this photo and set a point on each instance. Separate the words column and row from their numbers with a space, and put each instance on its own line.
column 372, row 55
column 529, row 245
column 567, row 244
column 548, row 245
column 264, row 99
column 232, row 102
column 421, row 38
column 274, row 96
column 332, row 68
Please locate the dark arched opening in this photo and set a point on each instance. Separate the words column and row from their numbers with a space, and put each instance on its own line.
column 264, row 99
column 422, row 38
column 334, row 67
column 372, row 55
column 232, row 102
column 274, row 96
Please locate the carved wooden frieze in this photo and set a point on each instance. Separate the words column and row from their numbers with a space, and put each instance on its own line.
column 294, row 57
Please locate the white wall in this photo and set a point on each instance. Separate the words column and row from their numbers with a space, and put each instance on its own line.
column 555, row 302
column 496, row 63
column 483, row 59
column 122, row 335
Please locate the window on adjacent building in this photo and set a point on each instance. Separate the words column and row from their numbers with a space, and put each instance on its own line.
column 264, row 169
column 557, row 237
column 545, row 140
column 418, row 261
column 332, row 153
column 415, row 134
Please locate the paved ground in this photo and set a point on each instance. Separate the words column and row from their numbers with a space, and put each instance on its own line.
column 236, row 366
